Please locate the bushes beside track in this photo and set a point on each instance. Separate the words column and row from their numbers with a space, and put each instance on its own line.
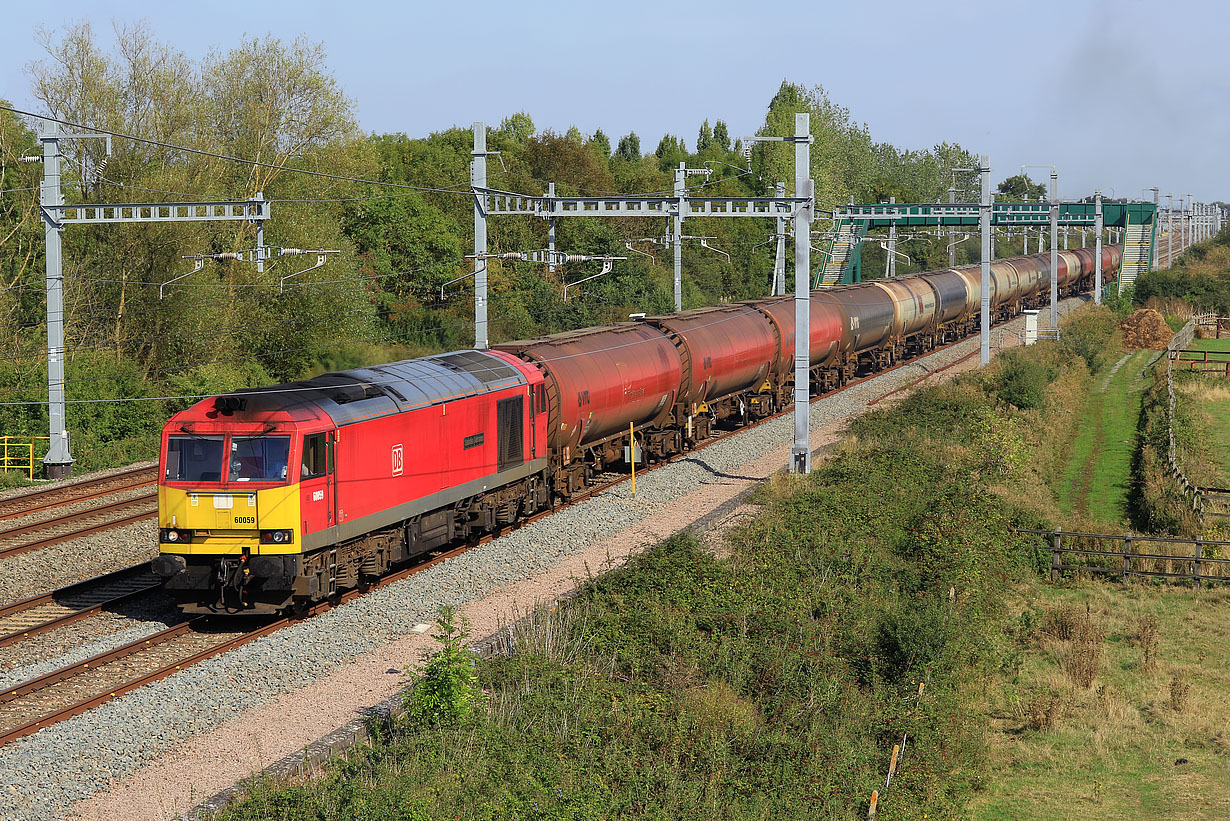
column 772, row 681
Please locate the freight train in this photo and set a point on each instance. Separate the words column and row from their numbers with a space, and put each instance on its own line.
column 275, row 498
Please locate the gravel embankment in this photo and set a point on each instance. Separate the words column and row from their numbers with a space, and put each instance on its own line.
column 50, row 568
column 78, row 507
column 98, row 474
column 39, row 779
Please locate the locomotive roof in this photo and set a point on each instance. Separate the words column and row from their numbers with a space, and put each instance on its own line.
column 382, row 390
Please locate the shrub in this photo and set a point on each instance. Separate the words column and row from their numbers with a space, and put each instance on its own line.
column 1082, row 658
column 1021, row 380
column 910, row 636
column 448, row 691
column 1180, row 689
column 1088, row 333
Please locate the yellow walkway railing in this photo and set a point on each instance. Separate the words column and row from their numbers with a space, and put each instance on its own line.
column 17, row 453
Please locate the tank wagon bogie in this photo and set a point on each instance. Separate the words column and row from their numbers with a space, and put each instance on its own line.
column 275, row 498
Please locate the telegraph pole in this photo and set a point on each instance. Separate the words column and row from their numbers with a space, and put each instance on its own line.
column 984, row 225
column 58, row 463
column 677, row 233
column 478, row 179
column 801, row 452
column 779, row 261
column 890, row 265
column 1054, row 247
column 1170, row 230
column 952, row 231
column 551, row 232
column 1097, row 251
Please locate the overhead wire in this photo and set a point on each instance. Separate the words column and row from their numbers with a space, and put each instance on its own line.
column 225, row 157
column 188, row 365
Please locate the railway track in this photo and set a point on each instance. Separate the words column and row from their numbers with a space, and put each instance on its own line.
column 38, row 614
column 40, row 500
column 70, row 691
column 52, row 531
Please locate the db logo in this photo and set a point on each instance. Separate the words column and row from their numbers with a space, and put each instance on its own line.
column 397, row 460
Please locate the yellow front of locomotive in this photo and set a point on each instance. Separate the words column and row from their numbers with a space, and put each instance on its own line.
column 228, row 514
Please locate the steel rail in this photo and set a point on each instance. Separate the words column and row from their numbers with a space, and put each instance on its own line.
column 86, row 610
column 162, row 637
column 44, row 498
column 16, row 532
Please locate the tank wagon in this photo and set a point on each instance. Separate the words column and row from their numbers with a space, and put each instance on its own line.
column 272, row 499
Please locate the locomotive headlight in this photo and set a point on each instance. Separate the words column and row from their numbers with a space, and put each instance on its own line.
column 276, row 537
column 172, row 536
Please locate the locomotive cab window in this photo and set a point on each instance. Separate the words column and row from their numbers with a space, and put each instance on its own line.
column 259, row 458
column 194, row 459
column 315, row 464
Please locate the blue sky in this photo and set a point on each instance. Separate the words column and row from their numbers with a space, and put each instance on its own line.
column 1119, row 95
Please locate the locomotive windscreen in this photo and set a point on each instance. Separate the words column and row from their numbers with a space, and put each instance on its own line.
column 259, row 458
column 194, row 459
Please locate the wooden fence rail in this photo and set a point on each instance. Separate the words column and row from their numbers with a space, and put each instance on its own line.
column 1129, row 561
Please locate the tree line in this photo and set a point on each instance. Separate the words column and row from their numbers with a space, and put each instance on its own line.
column 400, row 238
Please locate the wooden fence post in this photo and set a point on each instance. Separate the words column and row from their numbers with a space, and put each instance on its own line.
column 1127, row 555
column 1055, row 561
column 875, row 800
column 1196, row 564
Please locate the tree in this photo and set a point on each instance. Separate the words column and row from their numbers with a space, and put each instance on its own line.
column 629, row 147
column 601, row 143
column 704, row 139
column 841, row 157
column 721, row 137
column 1020, row 186
column 670, row 152
column 265, row 99
column 519, row 127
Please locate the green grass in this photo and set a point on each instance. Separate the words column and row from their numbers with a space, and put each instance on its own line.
column 1112, row 750
column 1218, row 350
column 1209, row 397
column 1097, row 476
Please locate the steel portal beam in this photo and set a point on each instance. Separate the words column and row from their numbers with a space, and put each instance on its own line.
column 247, row 210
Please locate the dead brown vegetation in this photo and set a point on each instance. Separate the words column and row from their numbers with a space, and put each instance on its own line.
column 1146, row 328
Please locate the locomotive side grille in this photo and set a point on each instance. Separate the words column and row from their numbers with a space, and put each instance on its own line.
column 510, row 449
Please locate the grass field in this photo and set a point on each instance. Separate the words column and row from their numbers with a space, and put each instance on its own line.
column 1146, row 738
column 1097, row 475
column 1209, row 395
column 1219, row 349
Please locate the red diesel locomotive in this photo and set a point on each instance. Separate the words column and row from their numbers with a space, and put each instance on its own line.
column 274, row 498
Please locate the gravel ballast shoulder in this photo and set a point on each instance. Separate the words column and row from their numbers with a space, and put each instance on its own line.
column 37, row 779
column 50, row 568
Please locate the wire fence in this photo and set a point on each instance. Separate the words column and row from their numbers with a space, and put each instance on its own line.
column 894, row 761
column 1181, row 340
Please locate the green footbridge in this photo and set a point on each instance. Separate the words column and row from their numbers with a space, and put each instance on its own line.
column 843, row 260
